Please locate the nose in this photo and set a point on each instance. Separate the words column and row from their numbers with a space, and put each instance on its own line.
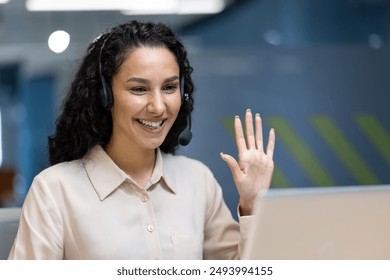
column 156, row 103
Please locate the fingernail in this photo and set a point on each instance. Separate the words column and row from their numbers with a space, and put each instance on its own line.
column 248, row 110
column 237, row 116
column 257, row 115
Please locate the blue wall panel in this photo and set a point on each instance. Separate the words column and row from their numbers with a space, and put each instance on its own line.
column 321, row 82
column 37, row 125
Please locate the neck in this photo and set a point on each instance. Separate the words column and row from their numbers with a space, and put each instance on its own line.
column 137, row 163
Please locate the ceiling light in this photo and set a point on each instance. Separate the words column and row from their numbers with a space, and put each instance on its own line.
column 177, row 7
column 130, row 6
column 4, row 1
column 201, row 6
column 77, row 5
column 152, row 7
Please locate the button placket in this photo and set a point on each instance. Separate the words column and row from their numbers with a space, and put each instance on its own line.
column 150, row 227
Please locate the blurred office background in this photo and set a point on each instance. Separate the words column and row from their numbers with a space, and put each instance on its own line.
column 316, row 70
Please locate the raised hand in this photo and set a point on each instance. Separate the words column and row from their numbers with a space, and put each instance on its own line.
column 254, row 169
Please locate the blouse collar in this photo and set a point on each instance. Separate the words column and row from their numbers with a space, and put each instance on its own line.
column 106, row 176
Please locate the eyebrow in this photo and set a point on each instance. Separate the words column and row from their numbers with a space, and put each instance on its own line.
column 146, row 81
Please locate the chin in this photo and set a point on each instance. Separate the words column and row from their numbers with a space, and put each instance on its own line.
column 153, row 144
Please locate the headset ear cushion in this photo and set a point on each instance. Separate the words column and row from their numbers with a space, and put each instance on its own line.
column 107, row 97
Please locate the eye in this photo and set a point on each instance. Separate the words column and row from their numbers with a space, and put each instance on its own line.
column 138, row 90
column 170, row 88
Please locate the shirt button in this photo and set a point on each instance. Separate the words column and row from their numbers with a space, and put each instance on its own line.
column 144, row 198
column 150, row 228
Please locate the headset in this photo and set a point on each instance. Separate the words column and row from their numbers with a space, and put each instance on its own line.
column 107, row 98
column 186, row 135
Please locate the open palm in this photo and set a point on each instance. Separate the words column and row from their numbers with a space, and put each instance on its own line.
column 254, row 169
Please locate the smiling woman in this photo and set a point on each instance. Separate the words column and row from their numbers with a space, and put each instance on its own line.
column 146, row 104
column 115, row 189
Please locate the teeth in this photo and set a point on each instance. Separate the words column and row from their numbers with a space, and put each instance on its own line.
column 151, row 124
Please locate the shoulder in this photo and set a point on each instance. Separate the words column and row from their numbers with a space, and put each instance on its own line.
column 63, row 168
column 60, row 182
column 64, row 171
column 51, row 185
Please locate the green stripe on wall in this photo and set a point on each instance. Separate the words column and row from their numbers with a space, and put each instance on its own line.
column 279, row 180
column 376, row 133
column 344, row 150
column 228, row 124
column 301, row 153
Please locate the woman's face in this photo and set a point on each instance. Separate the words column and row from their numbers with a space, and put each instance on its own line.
column 147, row 98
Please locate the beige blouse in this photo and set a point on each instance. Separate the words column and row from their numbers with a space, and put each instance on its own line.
column 91, row 209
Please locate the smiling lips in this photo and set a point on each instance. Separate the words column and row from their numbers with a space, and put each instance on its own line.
column 151, row 125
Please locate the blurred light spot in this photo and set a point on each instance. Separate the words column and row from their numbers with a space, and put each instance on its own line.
column 375, row 41
column 273, row 37
column 59, row 41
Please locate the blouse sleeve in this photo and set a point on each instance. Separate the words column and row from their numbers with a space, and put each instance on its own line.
column 39, row 234
column 224, row 238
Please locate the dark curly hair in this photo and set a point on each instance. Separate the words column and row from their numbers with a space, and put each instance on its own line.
column 84, row 122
